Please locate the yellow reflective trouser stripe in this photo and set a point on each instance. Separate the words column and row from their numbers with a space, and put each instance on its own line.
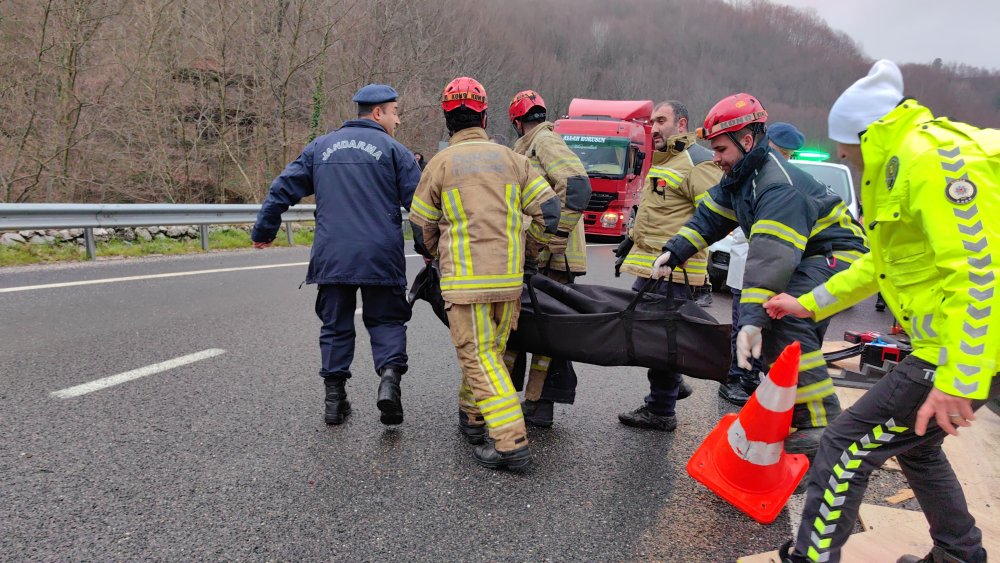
column 693, row 237
column 811, row 360
column 514, row 258
column 779, row 230
column 716, row 208
column 486, row 352
column 540, row 363
column 485, row 281
column 756, row 295
column 505, row 407
column 533, row 190
column 461, row 252
column 425, row 210
column 815, row 391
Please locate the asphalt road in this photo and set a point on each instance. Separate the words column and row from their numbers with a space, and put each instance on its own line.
column 227, row 458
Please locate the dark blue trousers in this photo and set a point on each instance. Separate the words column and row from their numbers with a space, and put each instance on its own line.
column 664, row 384
column 384, row 312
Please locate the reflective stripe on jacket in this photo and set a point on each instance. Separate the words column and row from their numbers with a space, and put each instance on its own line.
column 564, row 171
column 678, row 178
column 788, row 217
column 931, row 194
column 469, row 209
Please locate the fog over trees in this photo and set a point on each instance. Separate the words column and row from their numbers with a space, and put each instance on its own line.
column 206, row 101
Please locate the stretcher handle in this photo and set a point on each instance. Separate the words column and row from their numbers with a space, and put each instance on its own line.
column 654, row 284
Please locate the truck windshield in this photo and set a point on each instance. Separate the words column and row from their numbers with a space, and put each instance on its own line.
column 603, row 157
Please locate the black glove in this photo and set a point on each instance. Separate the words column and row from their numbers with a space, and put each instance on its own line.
column 530, row 268
column 625, row 246
column 618, row 265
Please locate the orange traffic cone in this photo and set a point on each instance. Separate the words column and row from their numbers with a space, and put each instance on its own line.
column 743, row 459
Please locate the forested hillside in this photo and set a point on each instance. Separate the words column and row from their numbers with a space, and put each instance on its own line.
column 205, row 101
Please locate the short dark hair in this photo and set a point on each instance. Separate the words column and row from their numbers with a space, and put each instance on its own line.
column 463, row 118
column 367, row 109
column 534, row 115
column 680, row 110
column 757, row 130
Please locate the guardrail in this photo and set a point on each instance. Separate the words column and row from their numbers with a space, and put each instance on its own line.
column 19, row 216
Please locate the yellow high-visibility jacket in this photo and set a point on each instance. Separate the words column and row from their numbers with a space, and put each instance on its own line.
column 678, row 178
column 564, row 171
column 931, row 196
column 468, row 210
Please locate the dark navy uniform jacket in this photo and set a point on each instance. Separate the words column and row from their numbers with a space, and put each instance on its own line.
column 788, row 216
column 361, row 177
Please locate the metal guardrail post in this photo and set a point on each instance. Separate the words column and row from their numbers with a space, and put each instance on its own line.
column 88, row 237
column 203, row 229
column 288, row 232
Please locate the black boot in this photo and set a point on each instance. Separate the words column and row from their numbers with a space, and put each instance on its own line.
column 389, row 397
column 538, row 413
column 337, row 405
column 488, row 456
column 474, row 434
column 684, row 390
column 734, row 393
column 642, row 418
column 787, row 555
column 938, row 555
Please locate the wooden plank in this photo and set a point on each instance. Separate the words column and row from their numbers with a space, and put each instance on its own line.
column 864, row 547
column 902, row 495
column 912, row 524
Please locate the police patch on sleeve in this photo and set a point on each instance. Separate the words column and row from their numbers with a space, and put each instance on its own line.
column 891, row 171
column 961, row 191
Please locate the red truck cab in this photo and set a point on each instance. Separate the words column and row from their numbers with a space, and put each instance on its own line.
column 613, row 139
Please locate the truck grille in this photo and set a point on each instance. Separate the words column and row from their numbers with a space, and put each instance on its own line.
column 599, row 201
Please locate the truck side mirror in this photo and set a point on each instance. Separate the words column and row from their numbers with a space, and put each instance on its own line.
column 640, row 157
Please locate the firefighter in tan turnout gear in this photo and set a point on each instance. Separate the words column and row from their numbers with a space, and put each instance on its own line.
column 565, row 257
column 468, row 212
column 680, row 174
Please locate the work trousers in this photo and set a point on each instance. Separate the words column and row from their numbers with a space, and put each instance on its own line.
column 479, row 332
column 548, row 379
column 664, row 385
column 877, row 427
column 816, row 403
column 384, row 311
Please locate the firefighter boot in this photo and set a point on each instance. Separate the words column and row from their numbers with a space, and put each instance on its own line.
column 474, row 434
column 389, row 399
column 805, row 439
column 538, row 413
column 642, row 418
column 787, row 555
column 938, row 555
column 337, row 405
column 488, row 456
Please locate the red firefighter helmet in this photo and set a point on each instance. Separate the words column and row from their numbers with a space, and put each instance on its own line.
column 464, row 91
column 523, row 102
column 731, row 114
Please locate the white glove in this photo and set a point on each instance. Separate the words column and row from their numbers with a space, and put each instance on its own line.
column 748, row 343
column 660, row 268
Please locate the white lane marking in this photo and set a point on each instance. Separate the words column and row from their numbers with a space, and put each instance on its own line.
column 173, row 275
column 106, row 382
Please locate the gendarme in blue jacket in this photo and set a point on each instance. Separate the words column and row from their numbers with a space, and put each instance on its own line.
column 361, row 177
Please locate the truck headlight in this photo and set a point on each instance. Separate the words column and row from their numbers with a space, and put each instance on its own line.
column 610, row 219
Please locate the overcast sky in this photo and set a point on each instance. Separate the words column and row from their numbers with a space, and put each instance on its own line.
column 917, row 31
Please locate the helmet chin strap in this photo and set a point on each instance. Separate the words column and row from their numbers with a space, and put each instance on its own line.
column 739, row 145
